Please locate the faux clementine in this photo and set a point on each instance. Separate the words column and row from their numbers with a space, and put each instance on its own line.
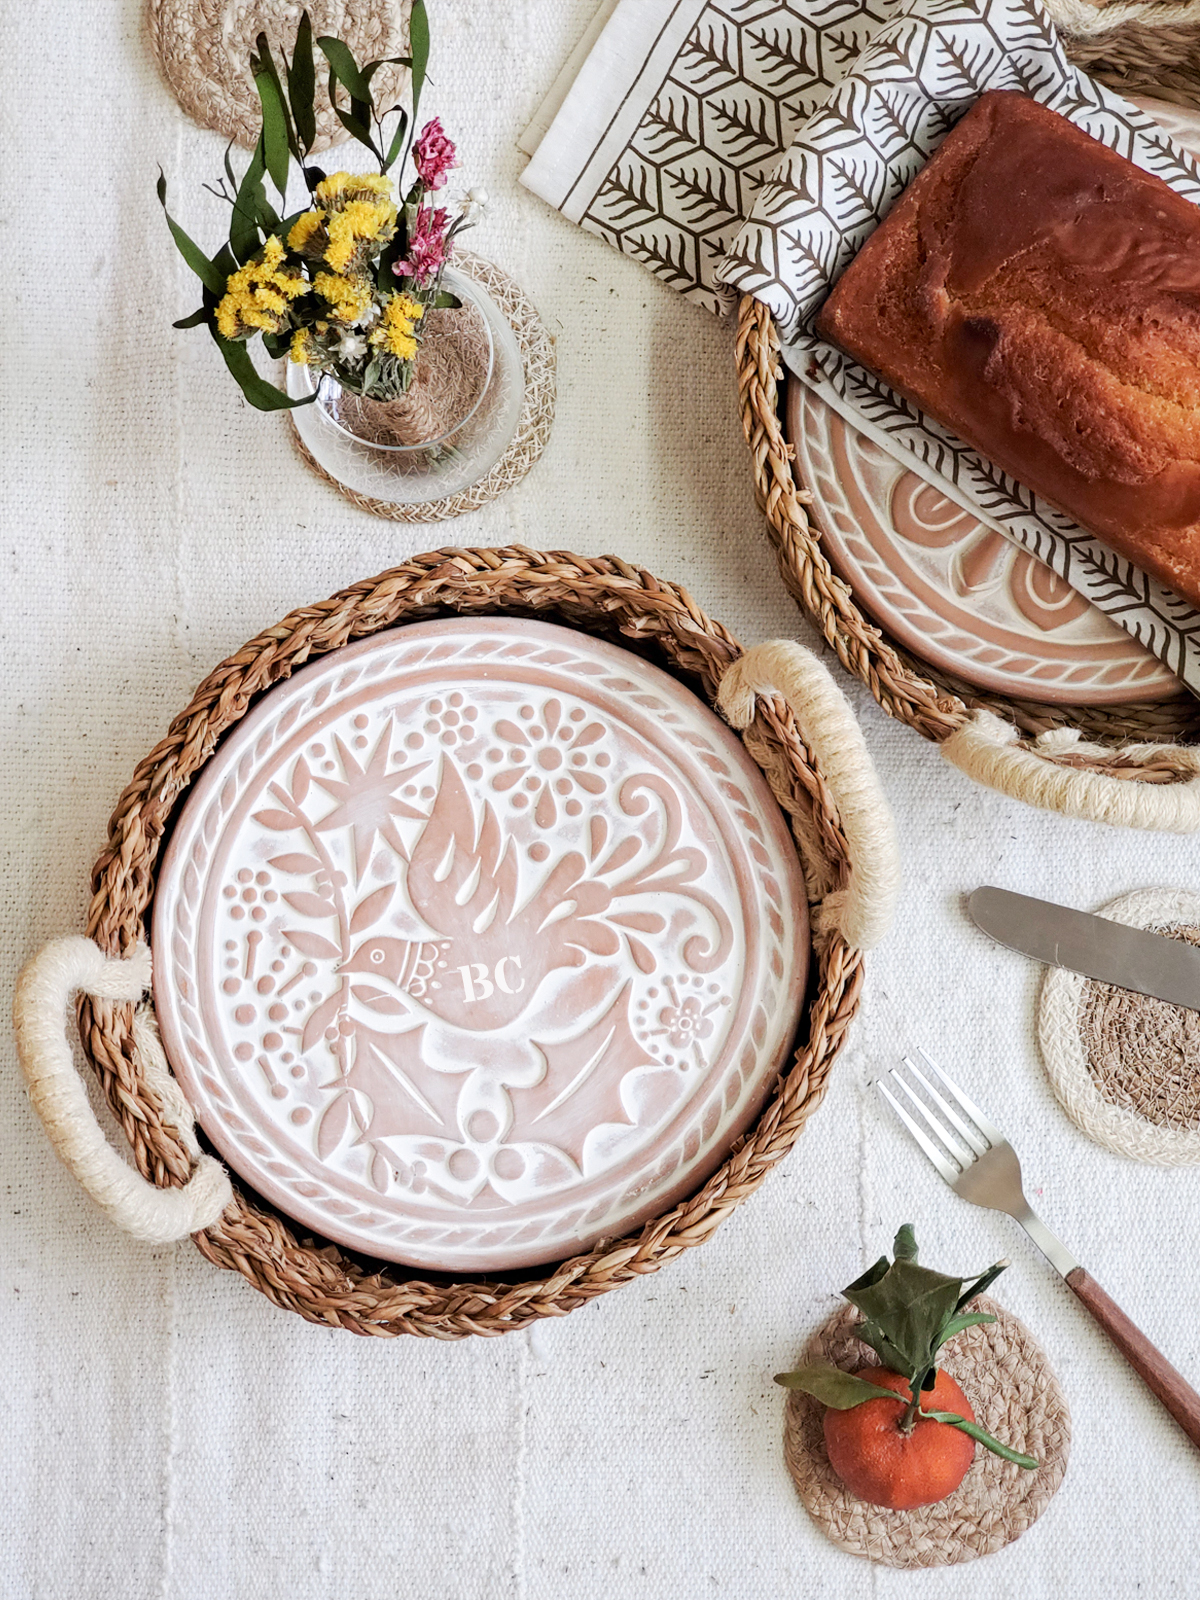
column 880, row 1464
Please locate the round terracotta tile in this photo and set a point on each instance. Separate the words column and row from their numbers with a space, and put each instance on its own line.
column 478, row 941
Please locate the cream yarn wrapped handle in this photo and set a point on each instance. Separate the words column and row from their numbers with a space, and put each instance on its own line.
column 45, row 989
column 988, row 749
column 862, row 911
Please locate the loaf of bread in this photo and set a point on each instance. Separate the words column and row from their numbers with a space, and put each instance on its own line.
column 1039, row 295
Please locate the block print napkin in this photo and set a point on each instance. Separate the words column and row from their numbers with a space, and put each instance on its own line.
column 751, row 147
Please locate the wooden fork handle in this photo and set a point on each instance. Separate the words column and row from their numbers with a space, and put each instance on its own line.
column 1171, row 1387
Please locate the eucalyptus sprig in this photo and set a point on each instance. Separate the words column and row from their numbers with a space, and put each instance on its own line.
column 909, row 1312
column 332, row 284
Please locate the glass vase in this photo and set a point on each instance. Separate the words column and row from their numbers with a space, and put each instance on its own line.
column 456, row 421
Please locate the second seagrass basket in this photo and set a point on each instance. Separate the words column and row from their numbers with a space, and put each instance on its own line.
column 841, row 860
column 1133, row 764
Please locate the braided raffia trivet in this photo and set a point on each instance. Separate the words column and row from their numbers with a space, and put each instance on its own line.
column 1136, row 49
column 1126, row 1067
column 204, row 52
column 605, row 596
column 1014, row 1394
column 533, row 425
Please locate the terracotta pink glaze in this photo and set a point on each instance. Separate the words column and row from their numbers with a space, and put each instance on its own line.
column 478, row 942
column 955, row 592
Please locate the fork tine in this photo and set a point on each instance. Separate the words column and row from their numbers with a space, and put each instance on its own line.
column 930, row 1149
column 975, row 1141
column 989, row 1129
column 955, row 1151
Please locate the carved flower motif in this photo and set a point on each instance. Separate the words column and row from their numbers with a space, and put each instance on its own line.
column 685, row 1023
column 548, row 756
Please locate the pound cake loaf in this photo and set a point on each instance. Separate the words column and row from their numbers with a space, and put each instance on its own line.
column 1039, row 295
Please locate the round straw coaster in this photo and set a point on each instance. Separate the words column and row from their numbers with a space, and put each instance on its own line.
column 1126, row 1067
column 1014, row 1394
column 204, row 52
column 533, row 425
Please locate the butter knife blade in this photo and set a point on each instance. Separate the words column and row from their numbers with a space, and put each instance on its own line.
column 1130, row 958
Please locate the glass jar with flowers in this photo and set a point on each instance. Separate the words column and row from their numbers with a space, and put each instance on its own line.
column 407, row 365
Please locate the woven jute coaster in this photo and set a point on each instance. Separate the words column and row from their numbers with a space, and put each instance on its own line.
column 204, row 52
column 1014, row 1394
column 533, row 426
column 1126, row 1067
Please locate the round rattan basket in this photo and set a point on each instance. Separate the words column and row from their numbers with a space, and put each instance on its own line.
column 1129, row 763
column 604, row 596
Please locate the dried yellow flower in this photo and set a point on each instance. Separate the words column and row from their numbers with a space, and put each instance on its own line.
column 257, row 295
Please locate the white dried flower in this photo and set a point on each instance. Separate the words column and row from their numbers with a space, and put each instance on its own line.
column 351, row 347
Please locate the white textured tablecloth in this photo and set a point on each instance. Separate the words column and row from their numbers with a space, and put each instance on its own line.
column 165, row 1432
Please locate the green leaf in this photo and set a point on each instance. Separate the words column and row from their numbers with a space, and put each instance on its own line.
column 355, row 126
column 206, row 270
column 982, row 1282
column 983, row 1437
column 276, row 130
column 250, row 208
column 905, row 1246
column 302, row 85
column 443, row 300
column 194, row 321
column 966, row 1319
column 841, row 1390
column 263, row 396
column 345, row 68
column 870, row 1276
column 418, row 44
column 397, row 144
column 909, row 1303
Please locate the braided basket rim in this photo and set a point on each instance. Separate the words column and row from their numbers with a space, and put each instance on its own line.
column 910, row 691
column 605, row 595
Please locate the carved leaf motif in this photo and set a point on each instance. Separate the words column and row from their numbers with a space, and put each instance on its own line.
column 386, row 1062
column 318, row 1020
column 371, row 908
column 295, row 863
column 336, row 1122
column 277, row 821
column 309, row 905
column 311, row 944
column 300, row 780
column 577, row 1093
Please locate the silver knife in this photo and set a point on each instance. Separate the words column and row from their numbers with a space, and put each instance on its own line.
column 1130, row 958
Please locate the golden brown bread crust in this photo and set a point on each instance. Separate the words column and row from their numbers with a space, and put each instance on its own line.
column 1040, row 295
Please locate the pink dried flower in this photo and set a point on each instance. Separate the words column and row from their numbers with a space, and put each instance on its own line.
column 434, row 154
column 428, row 247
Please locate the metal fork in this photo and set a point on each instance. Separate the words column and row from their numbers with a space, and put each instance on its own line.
column 979, row 1164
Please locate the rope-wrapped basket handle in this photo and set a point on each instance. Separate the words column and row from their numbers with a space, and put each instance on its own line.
column 862, row 910
column 44, row 993
column 1159, row 788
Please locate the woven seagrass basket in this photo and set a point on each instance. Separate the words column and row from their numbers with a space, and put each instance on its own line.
column 1127, row 763
column 604, row 596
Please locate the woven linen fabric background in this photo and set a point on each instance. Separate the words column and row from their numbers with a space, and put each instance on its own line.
column 165, row 1433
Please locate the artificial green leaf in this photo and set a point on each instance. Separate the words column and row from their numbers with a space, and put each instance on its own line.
column 207, row 271
column 905, row 1245
column 194, row 321
column 966, row 1319
column 263, row 396
column 418, row 44
column 345, row 68
column 832, row 1387
column 982, row 1282
column 983, row 1437
column 276, row 132
column 302, row 85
